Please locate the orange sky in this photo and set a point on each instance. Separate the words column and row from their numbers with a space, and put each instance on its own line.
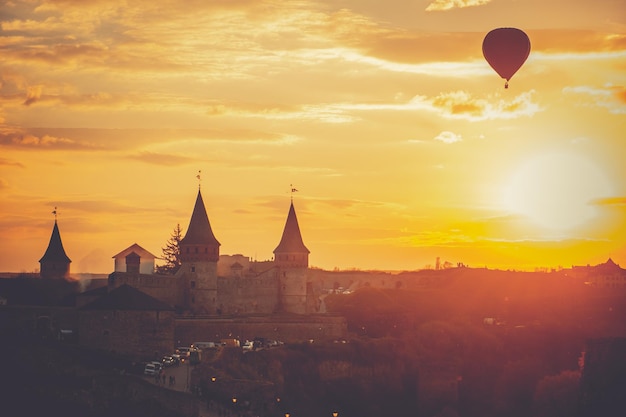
column 400, row 138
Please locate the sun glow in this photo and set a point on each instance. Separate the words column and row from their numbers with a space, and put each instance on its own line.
column 556, row 190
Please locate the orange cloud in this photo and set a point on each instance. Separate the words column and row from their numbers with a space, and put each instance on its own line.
column 28, row 140
column 33, row 94
column 8, row 162
column 461, row 105
column 560, row 40
column 162, row 159
column 611, row 97
column 440, row 5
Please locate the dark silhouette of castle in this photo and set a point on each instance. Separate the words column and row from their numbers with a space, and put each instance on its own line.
column 243, row 287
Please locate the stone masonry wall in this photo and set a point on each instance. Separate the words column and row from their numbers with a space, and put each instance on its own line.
column 288, row 329
column 142, row 334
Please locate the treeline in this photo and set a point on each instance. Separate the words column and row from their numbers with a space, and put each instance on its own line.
column 431, row 352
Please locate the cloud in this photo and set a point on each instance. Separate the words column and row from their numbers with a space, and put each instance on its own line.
column 162, row 159
column 4, row 184
column 8, row 162
column 26, row 140
column 441, row 5
column 611, row 97
column 33, row 94
column 448, row 137
column 101, row 206
column 461, row 105
column 595, row 43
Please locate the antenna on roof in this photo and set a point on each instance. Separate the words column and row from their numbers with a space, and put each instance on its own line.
column 199, row 178
column 55, row 213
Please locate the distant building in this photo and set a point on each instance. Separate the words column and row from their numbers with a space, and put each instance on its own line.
column 606, row 275
column 55, row 263
column 134, row 259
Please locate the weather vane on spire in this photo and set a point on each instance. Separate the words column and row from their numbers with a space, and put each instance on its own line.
column 55, row 213
column 293, row 190
column 199, row 178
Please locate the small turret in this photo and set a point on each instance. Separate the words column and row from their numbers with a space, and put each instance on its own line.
column 55, row 263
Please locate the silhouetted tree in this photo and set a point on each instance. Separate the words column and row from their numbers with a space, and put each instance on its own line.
column 171, row 253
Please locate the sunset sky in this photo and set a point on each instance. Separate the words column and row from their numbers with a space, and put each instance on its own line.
column 400, row 138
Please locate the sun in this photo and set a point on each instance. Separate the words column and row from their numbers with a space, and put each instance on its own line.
column 556, row 190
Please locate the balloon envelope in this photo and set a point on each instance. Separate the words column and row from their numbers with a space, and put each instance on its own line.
column 506, row 49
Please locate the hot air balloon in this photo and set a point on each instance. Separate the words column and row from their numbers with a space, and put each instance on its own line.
column 506, row 49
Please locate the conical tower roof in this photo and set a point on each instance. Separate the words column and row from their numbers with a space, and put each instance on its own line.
column 55, row 251
column 291, row 240
column 199, row 231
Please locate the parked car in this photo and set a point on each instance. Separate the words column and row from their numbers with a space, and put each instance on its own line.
column 158, row 365
column 151, row 369
column 204, row 345
column 176, row 358
column 183, row 351
column 167, row 360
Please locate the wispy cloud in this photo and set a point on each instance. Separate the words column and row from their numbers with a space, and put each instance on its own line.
column 448, row 137
column 10, row 162
column 462, row 105
column 33, row 94
column 162, row 159
column 26, row 140
column 455, row 105
column 440, row 5
column 611, row 97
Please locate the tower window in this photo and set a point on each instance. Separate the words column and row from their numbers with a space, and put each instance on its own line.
column 193, row 284
column 193, row 268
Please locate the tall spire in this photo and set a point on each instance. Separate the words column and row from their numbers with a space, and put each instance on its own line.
column 55, row 263
column 291, row 241
column 199, row 243
column 199, row 231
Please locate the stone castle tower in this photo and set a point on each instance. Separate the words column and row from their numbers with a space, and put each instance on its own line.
column 199, row 253
column 55, row 263
column 291, row 259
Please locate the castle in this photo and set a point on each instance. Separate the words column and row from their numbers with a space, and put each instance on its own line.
column 210, row 297
column 207, row 284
